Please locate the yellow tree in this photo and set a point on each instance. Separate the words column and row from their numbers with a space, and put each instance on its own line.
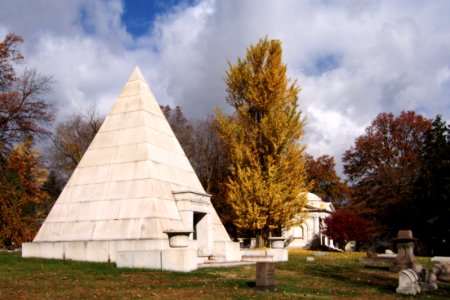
column 21, row 176
column 267, row 184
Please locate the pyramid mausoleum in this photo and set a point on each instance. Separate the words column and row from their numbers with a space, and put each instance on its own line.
column 134, row 198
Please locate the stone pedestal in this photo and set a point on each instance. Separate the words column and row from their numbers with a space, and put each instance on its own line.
column 178, row 238
column 265, row 275
column 405, row 253
column 405, row 258
column 277, row 242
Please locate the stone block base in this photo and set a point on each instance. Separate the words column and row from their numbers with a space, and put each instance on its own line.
column 180, row 260
column 43, row 250
column 229, row 251
column 94, row 251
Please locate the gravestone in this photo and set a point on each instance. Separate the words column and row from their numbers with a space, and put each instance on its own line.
column 265, row 275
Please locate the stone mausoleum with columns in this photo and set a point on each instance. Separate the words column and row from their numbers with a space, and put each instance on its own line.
column 302, row 235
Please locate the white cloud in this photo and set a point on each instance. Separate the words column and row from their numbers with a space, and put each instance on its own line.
column 353, row 59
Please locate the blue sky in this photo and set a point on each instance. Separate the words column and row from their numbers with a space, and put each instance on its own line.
column 352, row 58
column 138, row 16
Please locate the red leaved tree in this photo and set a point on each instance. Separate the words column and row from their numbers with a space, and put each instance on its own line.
column 345, row 225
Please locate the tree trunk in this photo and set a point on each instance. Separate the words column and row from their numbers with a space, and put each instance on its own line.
column 259, row 239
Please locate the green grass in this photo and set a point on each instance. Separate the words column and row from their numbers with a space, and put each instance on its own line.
column 336, row 276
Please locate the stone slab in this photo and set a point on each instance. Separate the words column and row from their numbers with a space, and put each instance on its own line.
column 255, row 258
column 124, row 259
column 230, row 250
column 44, row 250
column 274, row 255
column 180, row 260
column 224, row 264
column 440, row 259
column 146, row 259
column 377, row 261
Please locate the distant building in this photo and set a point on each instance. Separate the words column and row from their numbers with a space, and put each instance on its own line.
column 302, row 235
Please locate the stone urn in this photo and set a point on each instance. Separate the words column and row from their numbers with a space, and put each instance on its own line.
column 277, row 242
column 178, row 238
column 405, row 258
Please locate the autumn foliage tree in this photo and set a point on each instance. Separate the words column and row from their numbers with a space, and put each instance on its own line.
column 24, row 110
column 71, row 140
column 25, row 114
column 383, row 167
column 21, row 177
column 345, row 225
column 267, row 183
column 324, row 181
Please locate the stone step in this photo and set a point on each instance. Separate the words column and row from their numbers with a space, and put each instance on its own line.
column 225, row 264
column 257, row 258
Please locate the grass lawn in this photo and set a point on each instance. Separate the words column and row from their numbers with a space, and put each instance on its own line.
column 337, row 275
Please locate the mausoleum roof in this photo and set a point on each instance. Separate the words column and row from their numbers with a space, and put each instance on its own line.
column 315, row 203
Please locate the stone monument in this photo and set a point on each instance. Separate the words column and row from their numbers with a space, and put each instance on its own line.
column 405, row 258
column 134, row 198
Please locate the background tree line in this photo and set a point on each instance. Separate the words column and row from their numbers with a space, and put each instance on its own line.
column 397, row 172
column 25, row 115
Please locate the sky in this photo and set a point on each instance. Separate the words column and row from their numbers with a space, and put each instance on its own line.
column 353, row 59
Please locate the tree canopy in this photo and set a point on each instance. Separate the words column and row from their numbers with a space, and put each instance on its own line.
column 383, row 167
column 25, row 114
column 324, row 181
column 21, row 175
column 24, row 110
column 345, row 225
column 71, row 140
column 266, row 187
column 433, row 190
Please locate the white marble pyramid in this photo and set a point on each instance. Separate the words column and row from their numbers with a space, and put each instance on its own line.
column 133, row 183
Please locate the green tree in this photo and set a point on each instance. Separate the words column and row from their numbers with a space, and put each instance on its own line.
column 433, row 190
column 53, row 186
column 267, row 184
